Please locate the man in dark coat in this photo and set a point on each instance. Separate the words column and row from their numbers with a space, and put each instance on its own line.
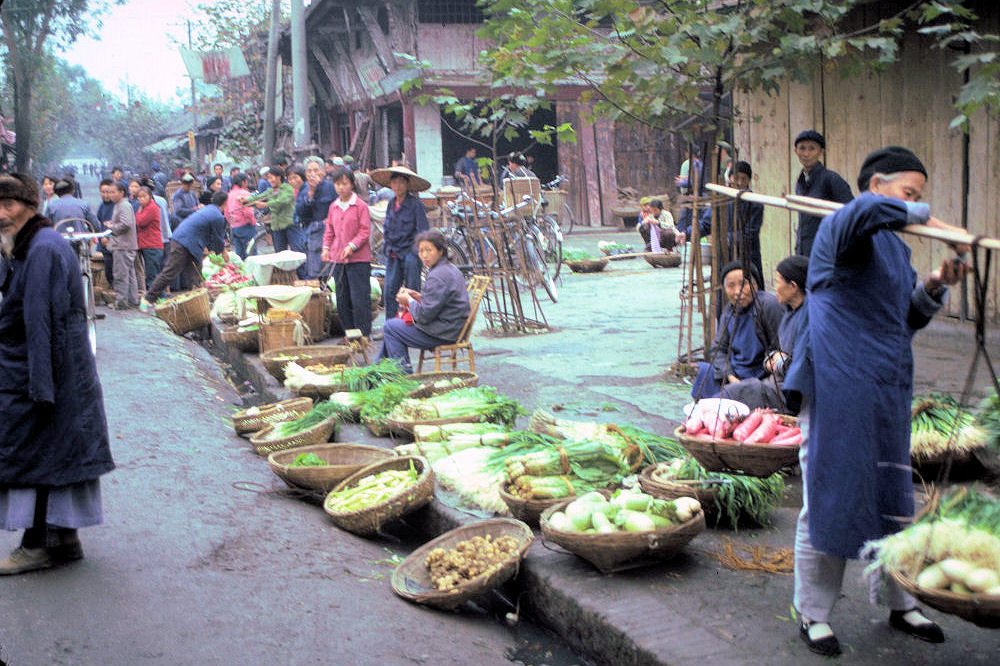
column 816, row 181
column 53, row 434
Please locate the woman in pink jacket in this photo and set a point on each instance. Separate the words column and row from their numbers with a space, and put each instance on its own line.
column 345, row 243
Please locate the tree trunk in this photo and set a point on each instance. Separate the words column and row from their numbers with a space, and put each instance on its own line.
column 22, row 119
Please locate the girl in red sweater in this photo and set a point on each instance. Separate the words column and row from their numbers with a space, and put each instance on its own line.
column 345, row 243
column 149, row 237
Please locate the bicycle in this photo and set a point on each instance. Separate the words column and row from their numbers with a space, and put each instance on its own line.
column 517, row 231
column 81, row 243
column 566, row 217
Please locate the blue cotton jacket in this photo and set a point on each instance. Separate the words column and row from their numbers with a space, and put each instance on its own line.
column 53, row 431
column 402, row 226
column 205, row 228
column 312, row 210
column 854, row 362
column 821, row 183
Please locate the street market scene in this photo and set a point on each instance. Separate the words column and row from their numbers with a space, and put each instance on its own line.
column 499, row 332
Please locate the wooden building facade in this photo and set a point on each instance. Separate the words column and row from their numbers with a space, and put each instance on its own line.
column 909, row 104
column 356, row 75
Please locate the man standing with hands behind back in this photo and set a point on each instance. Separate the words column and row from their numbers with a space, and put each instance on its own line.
column 816, row 181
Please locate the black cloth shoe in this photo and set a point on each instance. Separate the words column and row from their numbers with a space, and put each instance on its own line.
column 919, row 626
column 828, row 645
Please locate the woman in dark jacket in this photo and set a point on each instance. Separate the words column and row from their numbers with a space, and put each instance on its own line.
column 53, row 434
column 438, row 312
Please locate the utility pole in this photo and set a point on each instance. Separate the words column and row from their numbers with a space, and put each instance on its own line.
column 270, row 83
column 194, row 113
column 300, row 103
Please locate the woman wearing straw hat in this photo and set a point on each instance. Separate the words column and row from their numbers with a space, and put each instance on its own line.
column 405, row 217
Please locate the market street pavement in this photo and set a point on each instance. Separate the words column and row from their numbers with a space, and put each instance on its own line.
column 194, row 567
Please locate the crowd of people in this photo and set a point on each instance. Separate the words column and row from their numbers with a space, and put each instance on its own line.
column 839, row 326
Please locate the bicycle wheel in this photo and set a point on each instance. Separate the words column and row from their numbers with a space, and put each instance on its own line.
column 457, row 256
column 91, row 307
column 553, row 244
column 566, row 219
column 537, row 266
column 261, row 243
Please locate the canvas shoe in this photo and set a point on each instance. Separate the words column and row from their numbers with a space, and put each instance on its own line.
column 22, row 560
column 144, row 305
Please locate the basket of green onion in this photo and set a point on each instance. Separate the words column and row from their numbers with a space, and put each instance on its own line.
column 313, row 428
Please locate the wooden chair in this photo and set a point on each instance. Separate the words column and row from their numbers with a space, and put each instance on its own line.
column 461, row 350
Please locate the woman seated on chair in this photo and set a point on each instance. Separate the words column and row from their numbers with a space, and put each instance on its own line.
column 430, row 317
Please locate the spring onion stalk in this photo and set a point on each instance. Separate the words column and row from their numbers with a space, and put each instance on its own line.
column 320, row 412
column 939, row 425
column 589, row 460
column 736, row 496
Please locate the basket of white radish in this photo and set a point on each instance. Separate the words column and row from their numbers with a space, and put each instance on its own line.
column 950, row 559
column 622, row 530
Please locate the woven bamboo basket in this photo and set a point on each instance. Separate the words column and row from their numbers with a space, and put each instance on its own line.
column 411, row 579
column 428, row 380
column 623, row 550
column 187, row 312
column 245, row 423
column 983, row 610
column 342, row 461
column 669, row 490
column 369, row 521
column 662, row 260
column 281, row 333
column 245, row 341
column 377, row 428
column 317, row 434
column 527, row 510
column 587, row 265
column 279, row 276
column 728, row 455
column 274, row 360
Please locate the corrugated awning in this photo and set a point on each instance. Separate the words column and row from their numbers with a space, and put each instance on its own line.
column 167, row 145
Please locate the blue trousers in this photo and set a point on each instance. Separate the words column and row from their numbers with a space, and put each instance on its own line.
column 242, row 237
column 704, row 385
column 291, row 238
column 397, row 338
column 152, row 257
column 353, row 290
column 401, row 270
column 314, row 248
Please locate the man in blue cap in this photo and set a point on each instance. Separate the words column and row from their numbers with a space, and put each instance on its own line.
column 816, row 181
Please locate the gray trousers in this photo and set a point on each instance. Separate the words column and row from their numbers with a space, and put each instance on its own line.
column 818, row 576
column 125, row 283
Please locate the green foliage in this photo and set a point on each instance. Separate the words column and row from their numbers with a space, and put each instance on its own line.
column 651, row 62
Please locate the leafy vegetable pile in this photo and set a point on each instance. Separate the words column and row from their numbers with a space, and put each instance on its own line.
column 308, row 460
column 577, row 255
column 737, row 496
column 320, row 412
column 351, row 380
column 482, row 403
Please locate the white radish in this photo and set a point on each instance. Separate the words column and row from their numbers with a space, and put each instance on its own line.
column 933, row 578
column 980, row 580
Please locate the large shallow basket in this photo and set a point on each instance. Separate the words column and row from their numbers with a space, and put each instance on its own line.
column 342, row 461
column 275, row 360
column 669, row 490
column 662, row 260
column 728, row 455
column 411, row 579
column 245, row 341
column 427, row 381
column 370, row 520
column 623, row 550
column 983, row 610
column 246, row 422
column 317, row 434
column 587, row 265
column 527, row 510
column 186, row 312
